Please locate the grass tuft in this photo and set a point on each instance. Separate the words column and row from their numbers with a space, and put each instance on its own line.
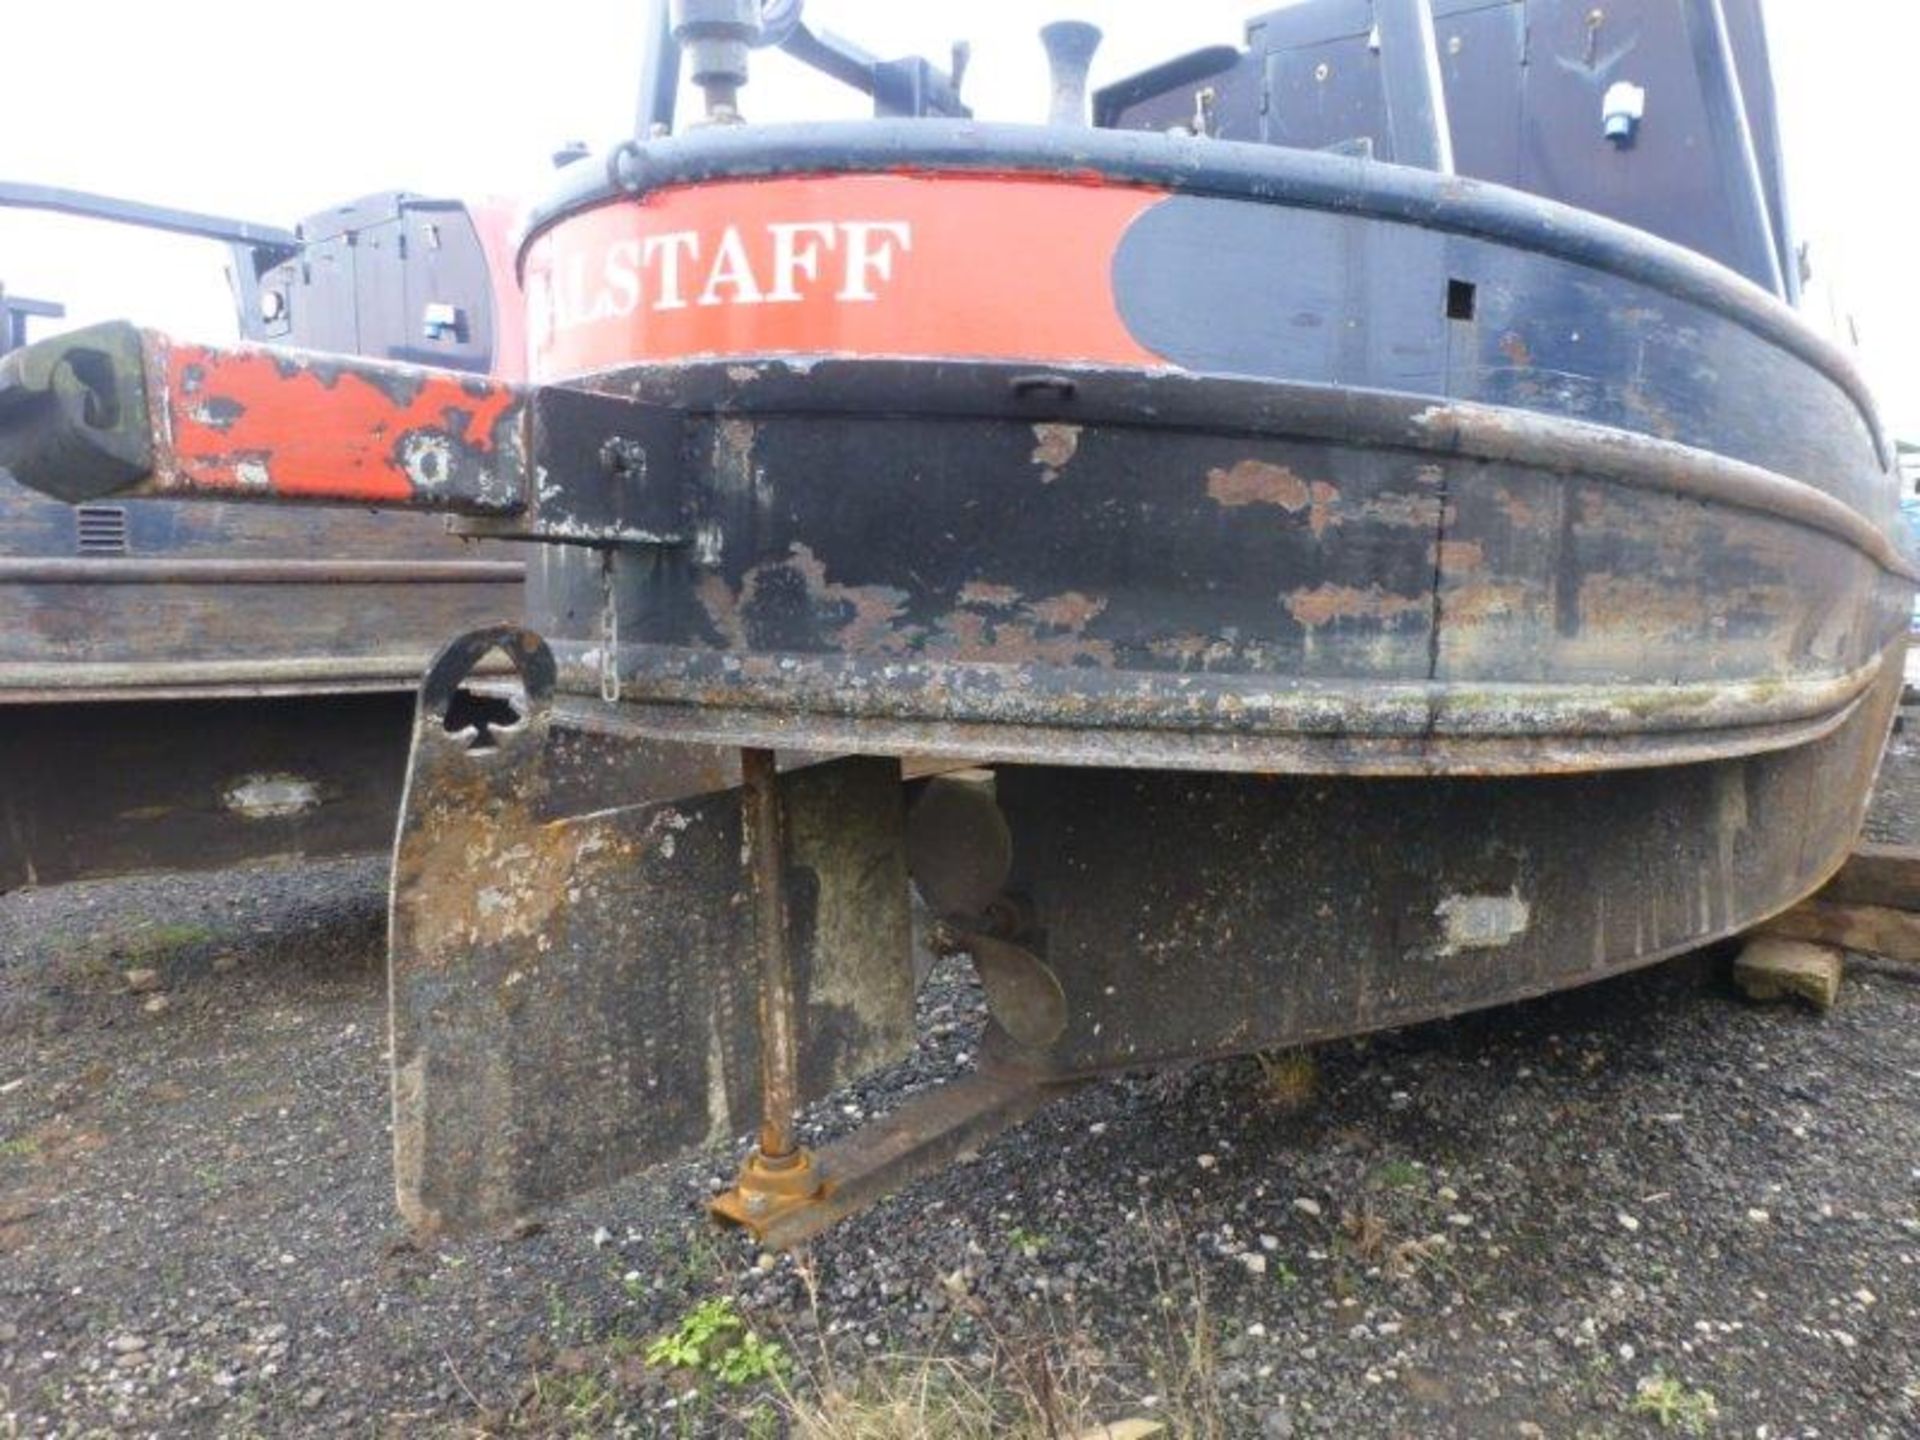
column 1674, row 1405
column 1288, row 1078
column 156, row 941
column 897, row 1398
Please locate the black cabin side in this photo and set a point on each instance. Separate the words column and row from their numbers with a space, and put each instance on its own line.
column 1658, row 113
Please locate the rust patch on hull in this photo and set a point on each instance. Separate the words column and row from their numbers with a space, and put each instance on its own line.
column 979, row 592
column 1260, row 482
column 1071, row 611
column 1412, row 512
column 1455, row 557
column 1518, row 511
column 855, row 618
column 1054, row 447
column 970, row 637
column 1257, row 482
column 1326, row 603
column 1477, row 603
column 1643, row 605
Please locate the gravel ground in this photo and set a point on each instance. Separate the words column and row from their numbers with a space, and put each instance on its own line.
column 1638, row 1207
column 1895, row 816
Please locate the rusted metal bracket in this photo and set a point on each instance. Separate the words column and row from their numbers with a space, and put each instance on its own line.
column 608, row 470
column 772, row 1192
column 923, row 1136
column 779, row 1175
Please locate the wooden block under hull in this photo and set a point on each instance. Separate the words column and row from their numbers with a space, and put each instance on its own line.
column 1771, row 967
column 1868, row 929
column 1872, row 906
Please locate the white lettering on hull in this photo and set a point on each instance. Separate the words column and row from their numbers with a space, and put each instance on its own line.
column 850, row 262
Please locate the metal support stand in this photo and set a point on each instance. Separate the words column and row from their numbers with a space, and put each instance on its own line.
column 785, row 1193
column 779, row 1174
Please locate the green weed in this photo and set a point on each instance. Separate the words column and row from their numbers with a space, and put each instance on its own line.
column 1674, row 1405
column 713, row 1339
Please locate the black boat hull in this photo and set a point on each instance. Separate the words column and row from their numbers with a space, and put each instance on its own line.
column 1136, row 451
column 184, row 688
column 1376, row 595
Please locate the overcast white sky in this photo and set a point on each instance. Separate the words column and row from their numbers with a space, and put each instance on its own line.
column 268, row 112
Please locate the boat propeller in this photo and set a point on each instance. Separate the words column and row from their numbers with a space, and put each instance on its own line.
column 960, row 855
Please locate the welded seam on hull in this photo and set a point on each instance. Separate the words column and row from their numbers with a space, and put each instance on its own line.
column 1438, row 582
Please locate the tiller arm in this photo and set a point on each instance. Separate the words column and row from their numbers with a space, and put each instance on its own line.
column 113, row 410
